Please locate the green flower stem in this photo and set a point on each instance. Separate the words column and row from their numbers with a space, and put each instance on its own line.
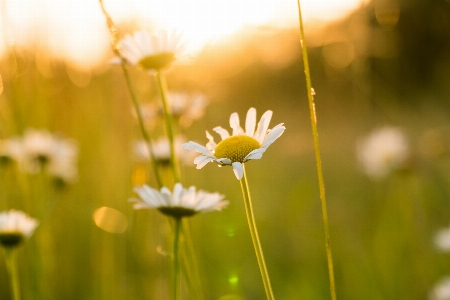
column 115, row 46
column 176, row 261
column 255, row 237
column 162, row 87
column 312, row 111
column 11, row 265
column 191, row 262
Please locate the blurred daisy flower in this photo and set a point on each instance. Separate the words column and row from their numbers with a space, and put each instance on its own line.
column 383, row 151
column 241, row 146
column 15, row 226
column 152, row 53
column 442, row 239
column 441, row 290
column 9, row 150
column 182, row 202
column 41, row 149
column 161, row 150
column 185, row 108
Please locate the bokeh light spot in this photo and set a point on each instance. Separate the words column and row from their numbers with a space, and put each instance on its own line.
column 231, row 297
column 110, row 220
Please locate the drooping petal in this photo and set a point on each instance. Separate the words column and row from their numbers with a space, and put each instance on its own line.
column 263, row 125
column 234, row 123
column 202, row 160
column 275, row 133
column 223, row 161
column 222, row 132
column 250, row 122
column 238, row 170
column 255, row 154
column 196, row 147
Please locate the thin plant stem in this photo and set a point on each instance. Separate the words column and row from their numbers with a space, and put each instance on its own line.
column 162, row 87
column 191, row 262
column 116, row 48
column 312, row 110
column 11, row 265
column 255, row 237
column 176, row 260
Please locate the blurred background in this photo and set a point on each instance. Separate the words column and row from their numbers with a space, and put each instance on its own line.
column 374, row 64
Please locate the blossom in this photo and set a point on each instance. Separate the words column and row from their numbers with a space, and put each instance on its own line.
column 441, row 291
column 41, row 149
column 9, row 150
column 15, row 226
column 161, row 151
column 383, row 151
column 183, row 202
column 442, row 239
column 241, row 146
column 151, row 52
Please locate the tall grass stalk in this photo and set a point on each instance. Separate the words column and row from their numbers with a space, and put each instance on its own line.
column 11, row 265
column 162, row 88
column 312, row 110
column 176, row 260
column 255, row 237
column 116, row 48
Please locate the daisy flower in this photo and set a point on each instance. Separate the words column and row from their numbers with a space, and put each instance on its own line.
column 15, row 226
column 441, row 290
column 241, row 146
column 161, row 151
column 9, row 150
column 383, row 151
column 183, row 202
column 442, row 239
column 151, row 52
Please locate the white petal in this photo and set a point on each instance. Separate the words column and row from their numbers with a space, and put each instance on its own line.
column 223, row 161
column 255, row 154
column 222, row 132
column 202, row 160
column 263, row 125
column 275, row 133
column 238, row 170
column 196, row 147
column 250, row 122
column 211, row 145
column 234, row 123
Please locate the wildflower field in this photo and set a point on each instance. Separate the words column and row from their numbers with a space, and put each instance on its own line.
column 163, row 174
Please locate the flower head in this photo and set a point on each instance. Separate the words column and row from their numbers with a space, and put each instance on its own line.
column 183, row 202
column 383, row 151
column 9, row 150
column 241, row 146
column 161, row 150
column 15, row 226
column 41, row 149
column 151, row 52
column 441, row 290
column 442, row 239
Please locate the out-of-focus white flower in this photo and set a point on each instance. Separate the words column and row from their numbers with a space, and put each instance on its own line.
column 15, row 226
column 161, row 150
column 442, row 239
column 183, row 202
column 441, row 290
column 383, row 151
column 153, row 52
column 44, row 150
column 10, row 150
column 241, row 146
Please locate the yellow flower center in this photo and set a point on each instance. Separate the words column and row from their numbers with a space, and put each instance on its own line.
column 236, row 148
column 157, row 61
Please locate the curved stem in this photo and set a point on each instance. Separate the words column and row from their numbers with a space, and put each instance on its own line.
column 312, row 110
column 176, row 261
column 255, row 237
column 11, row 265
column 115, row 46
column 162, row 87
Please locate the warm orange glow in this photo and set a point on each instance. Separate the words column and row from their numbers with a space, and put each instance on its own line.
column 77, row 29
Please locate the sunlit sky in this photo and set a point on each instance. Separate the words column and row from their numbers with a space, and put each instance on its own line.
column 76, row 28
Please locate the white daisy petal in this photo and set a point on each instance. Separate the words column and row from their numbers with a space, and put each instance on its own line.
column 255, row 154
column 250, row 122
column 224, row 134
column 275, row 133
column 263, row 125
column 195, row 147
column 238, row 170
column 223, row 161
column 202, row 160
column 234, row 123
